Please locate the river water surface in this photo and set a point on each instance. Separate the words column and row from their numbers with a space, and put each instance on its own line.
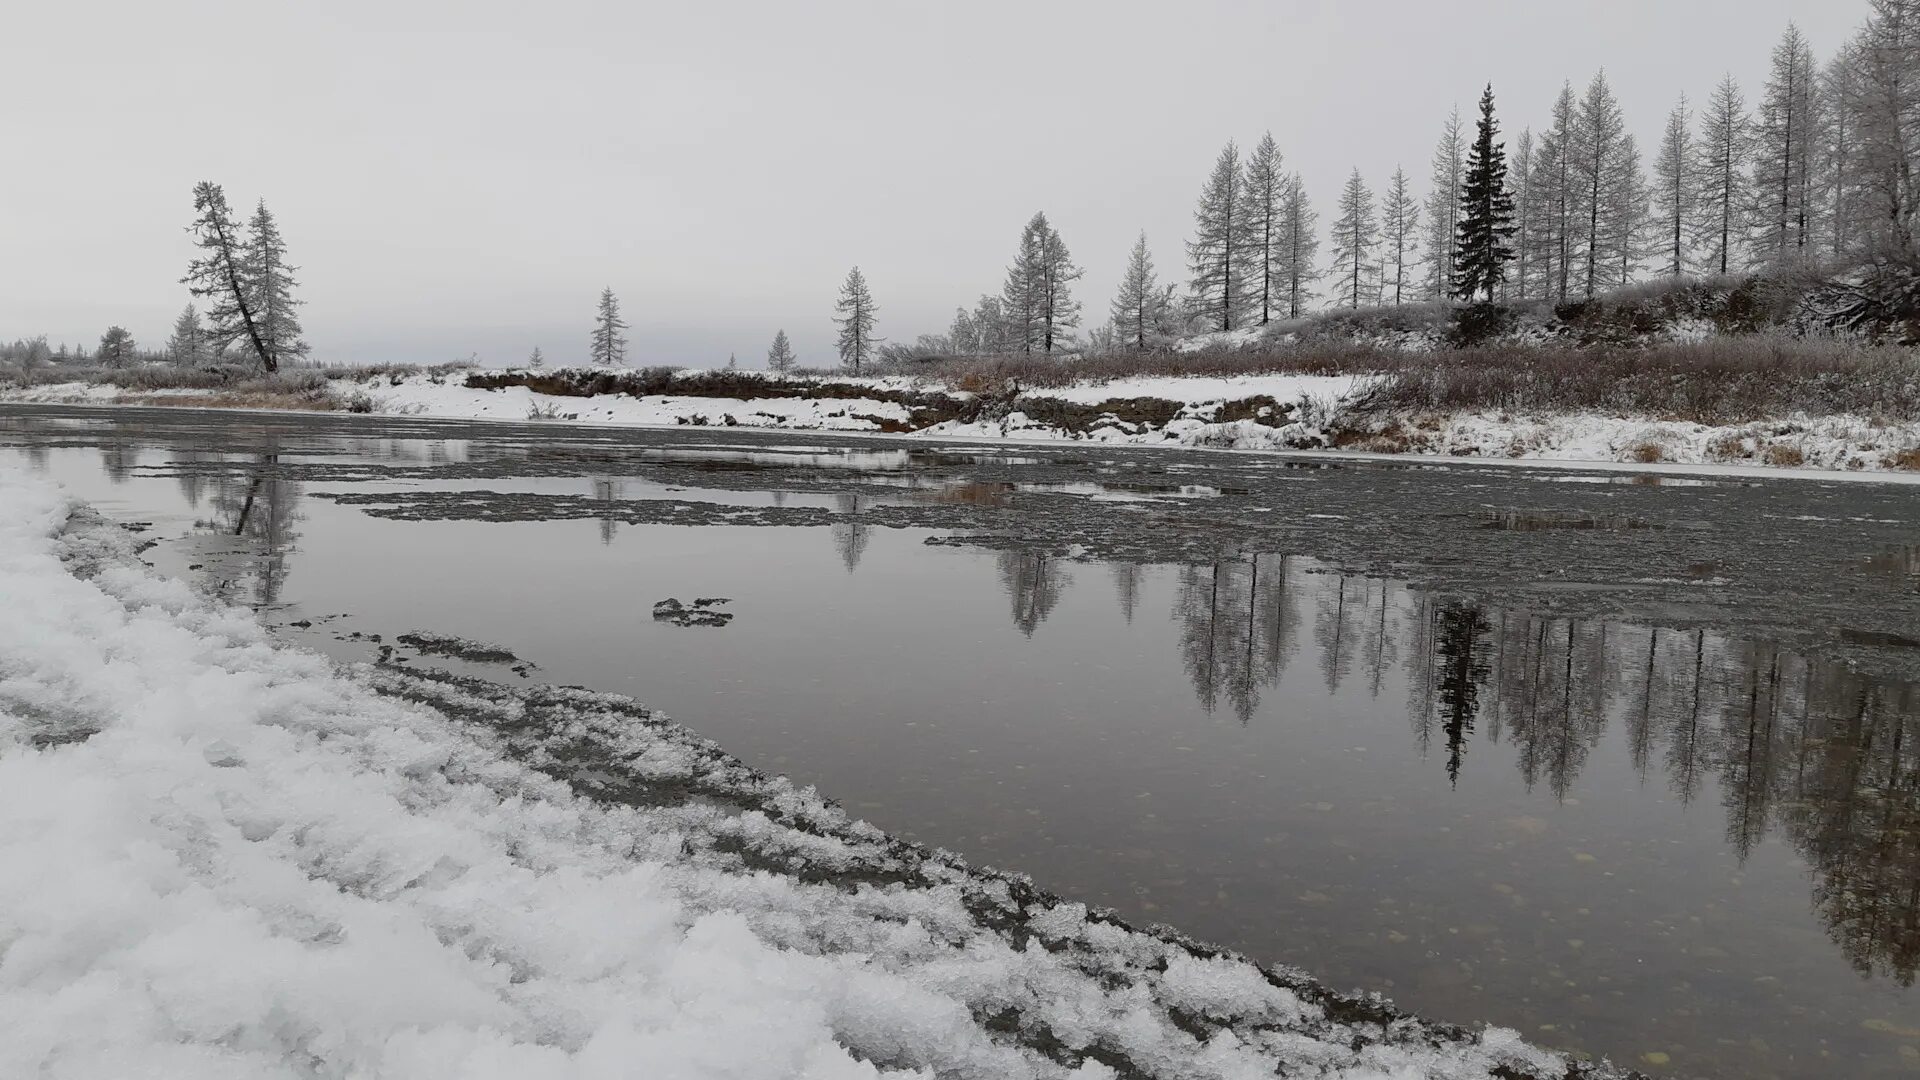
column 1629, row 763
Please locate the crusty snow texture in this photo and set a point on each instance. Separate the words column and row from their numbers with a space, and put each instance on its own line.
column 222, row 858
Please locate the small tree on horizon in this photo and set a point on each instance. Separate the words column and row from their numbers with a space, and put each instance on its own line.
column 116, row 348
column 1400, row 227
column 855, row 318
column 607, row 346
column 1354, row 235
column 270, row 284
column 1299, row 246
column 780, row 355
column 1138, row 311
column 1481, row 243
column 187, row 347
column 1263, row 194
column 1675, row 184
column 536, row 358
column 1215, row 255
column 1726, row 145
column 1037, row 301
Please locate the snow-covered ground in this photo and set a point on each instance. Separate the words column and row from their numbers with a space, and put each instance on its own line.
column 222, row 858
column 1314, row 416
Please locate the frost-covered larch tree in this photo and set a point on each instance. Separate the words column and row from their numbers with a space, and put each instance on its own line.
column 1675, row 183
column 271, row 284
column 780, row 353
column 1399, row 236
column 219, row 275
column 1627, row 217
column 1139, row 311
column 963, row 334
column 607, row 346
column 536, row 358
column 1884, row 105
column 1263, row 193
column 1299, row 247
column 1483, row 239
column 854, row 315
column 1783, row 148
column 1443, row 206
column 116, row 348
column 1521, row 184
column 1217, row 256
column 1605, row 168
column 1838, row 152
column 1355, row 233
column 1551, row 189
column 1725, row 146
column 991, row 334
column 187, row 347
column 1037, row 299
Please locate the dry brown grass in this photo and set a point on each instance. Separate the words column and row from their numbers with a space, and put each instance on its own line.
column 1719, row 381
column 1908, row 459
column 1785, row 455
column 1647, row 453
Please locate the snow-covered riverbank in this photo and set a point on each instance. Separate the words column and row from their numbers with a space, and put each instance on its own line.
column 1241, row 412
column 224, row 858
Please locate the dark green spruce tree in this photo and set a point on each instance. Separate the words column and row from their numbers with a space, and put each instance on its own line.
column 1483, row 238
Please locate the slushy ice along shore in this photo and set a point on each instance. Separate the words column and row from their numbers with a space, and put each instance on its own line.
column 258, row 862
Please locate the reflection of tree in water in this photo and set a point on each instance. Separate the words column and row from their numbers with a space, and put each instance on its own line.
column 1126, row 587
column 36, row 455
column 1852, row 806
column 1460, row 632
column 1548, row 678
column 1237, row 620
column 1826, row 756
column 851, row 533
column 118, row 458
column 607, row 493
column 189, row 470
column 1034, row 583
column 246, row 539
column 1749, row 744
column 1335, row 629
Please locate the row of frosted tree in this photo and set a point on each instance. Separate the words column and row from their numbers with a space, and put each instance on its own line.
column 1819, row 171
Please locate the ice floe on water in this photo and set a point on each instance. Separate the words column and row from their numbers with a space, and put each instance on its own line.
column 222, row 857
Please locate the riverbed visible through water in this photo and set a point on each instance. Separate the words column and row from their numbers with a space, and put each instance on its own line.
column 1627, row 761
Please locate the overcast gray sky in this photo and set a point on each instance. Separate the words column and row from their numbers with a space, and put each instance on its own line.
column 464, row 177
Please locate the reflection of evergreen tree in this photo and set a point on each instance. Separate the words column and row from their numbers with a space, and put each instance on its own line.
column 1236, row 620
column 192, row 479
column 1826, row 756
column 1640, row 718
column 607, row 492
column 250, row 532
column 1197, row 606
column 851, row 533
column 1852, row 808
column 1684, row 745
column 1126, row 587
column 1378, row 645
column 1748, row 743
column 119, row 457
column 1335, row 630
column 1463, row 670
column 1034, row 583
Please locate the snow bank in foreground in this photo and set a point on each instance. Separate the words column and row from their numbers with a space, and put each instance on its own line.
column 224, row 859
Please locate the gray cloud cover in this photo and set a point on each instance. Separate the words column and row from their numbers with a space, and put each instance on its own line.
column 465, row 177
